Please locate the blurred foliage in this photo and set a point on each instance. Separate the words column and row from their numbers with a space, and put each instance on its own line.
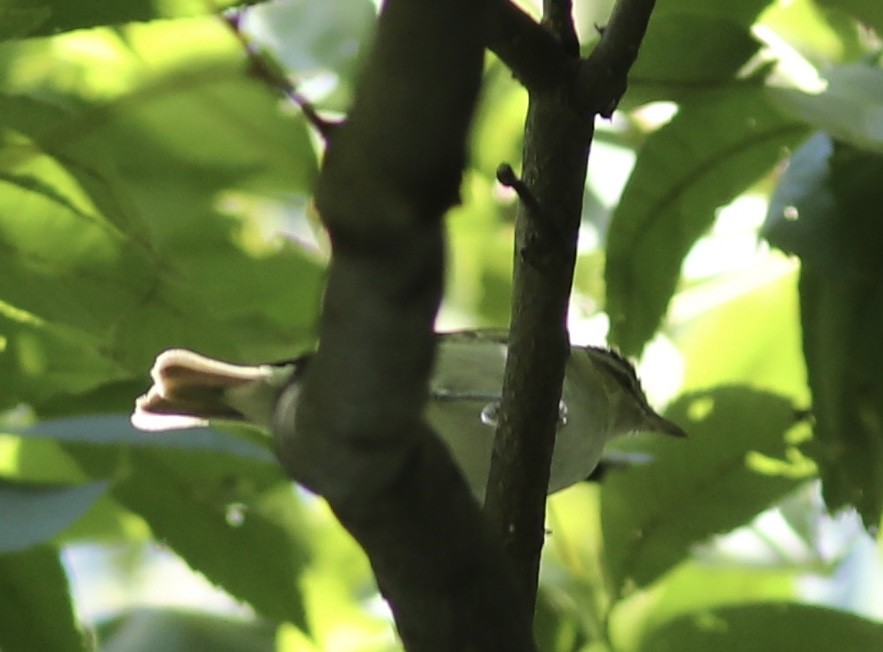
column 153, row 193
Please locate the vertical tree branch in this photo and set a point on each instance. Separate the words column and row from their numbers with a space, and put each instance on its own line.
column 355, row 432
column 556, row 149
column 558, row 136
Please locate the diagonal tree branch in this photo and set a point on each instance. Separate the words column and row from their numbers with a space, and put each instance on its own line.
column 355, row 433
column 603, row 76
column 532, row 53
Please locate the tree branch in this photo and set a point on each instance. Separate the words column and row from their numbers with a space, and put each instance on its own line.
column 532, row 53
column 355, row 433
column 558, row 136
column 558, row 20
column 603, row 77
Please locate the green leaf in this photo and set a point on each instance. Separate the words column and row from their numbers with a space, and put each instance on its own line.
column 725, row 343
column 44, row 359
column 110, row 257
column 115, row 430
column 479, row 266
column 37, row 461
column 16, row 22
column 211, row 516
column 692, row 588
column 820, row 35
column 35, row 605
column 687, row 54
column 842, row 320
column 801, row 204
column 766, row 627
column 866, row 11
column 63, row 15
column 557, row 626
column 826, row 213
column 710, row 152
column 850, row 108
column 34, row 514
column 735, row 463
column 45, row 473
column 743, row 12
column 148, row 630
column 207, row 494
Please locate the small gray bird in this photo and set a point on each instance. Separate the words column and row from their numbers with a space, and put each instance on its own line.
column 602, row 399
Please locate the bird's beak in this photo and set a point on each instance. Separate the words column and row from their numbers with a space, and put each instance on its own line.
column 656, row 423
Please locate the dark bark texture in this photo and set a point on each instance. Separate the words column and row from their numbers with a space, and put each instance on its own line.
column 354, row 432
column 566, row 93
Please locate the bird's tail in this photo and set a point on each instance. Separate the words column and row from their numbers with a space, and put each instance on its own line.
column 189, row 390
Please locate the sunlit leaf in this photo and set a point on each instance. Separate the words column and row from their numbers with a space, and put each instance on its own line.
column 710, row 152
column 116, row 243
column 822, row 35
column 850, row 108
column 207, row 494
column 693, row 587
column 724, row 342
column 704, row 485
column 479, row 268
column 148, row 630
column 766, row 627
column 62, row 15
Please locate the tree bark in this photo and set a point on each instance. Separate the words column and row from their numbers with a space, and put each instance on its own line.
column 355, row 432
column 564, row 99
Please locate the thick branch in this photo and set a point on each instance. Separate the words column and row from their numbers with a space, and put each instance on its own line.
column 359, row 439
column 558, row 20
column 555, row 154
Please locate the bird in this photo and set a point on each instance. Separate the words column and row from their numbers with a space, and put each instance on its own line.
column 602, row 399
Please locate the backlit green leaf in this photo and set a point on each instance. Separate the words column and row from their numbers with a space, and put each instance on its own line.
column 709, row 153
column 766, row 628
column 210, row 496
column 708, row 484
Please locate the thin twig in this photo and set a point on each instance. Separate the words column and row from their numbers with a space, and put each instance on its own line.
column 267, row 69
